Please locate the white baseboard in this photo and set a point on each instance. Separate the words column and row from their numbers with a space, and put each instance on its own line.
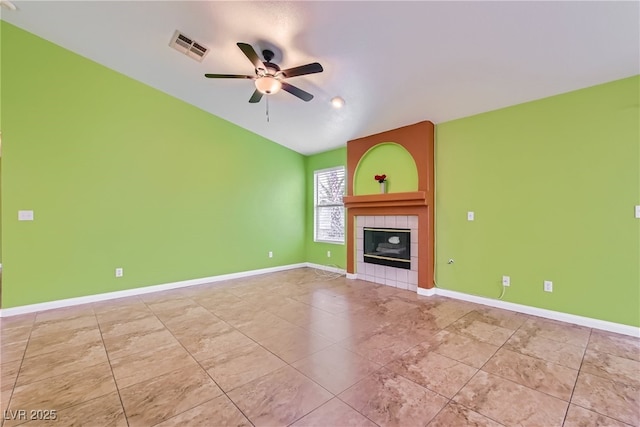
column 426, row 292
column 31, row 308
column 540, row 312
column 352, row 276
column 325, row 267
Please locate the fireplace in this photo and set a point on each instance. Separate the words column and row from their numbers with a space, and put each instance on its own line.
column 407, row 205
column 387, row 246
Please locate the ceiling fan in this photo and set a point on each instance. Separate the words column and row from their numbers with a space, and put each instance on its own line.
column 269, row 77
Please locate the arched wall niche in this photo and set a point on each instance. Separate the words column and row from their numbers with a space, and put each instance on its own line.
column 388, row 158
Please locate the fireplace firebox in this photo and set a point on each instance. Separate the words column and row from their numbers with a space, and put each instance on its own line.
column 388, row 246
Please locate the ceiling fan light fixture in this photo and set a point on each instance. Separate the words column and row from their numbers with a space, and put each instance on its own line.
column 268, row 85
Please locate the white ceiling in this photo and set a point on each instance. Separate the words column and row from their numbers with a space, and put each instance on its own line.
column 395, row 63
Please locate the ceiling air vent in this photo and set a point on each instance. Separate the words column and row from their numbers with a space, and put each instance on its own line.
column 188, row 46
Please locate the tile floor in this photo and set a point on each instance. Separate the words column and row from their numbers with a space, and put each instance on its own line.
column 294, row 348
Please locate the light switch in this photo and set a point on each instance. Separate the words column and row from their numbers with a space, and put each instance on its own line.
column 25, row 215
column 470, row 216
column 638, row 211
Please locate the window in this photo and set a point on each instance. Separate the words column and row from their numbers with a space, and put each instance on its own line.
column 328, row 206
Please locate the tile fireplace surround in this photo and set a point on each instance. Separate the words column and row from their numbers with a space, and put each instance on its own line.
column 382, row 274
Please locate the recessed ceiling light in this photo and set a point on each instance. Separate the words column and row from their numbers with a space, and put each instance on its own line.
column 337, row 102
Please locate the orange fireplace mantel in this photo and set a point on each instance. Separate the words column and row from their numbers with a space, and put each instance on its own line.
column 386, row 200
column 418, row 140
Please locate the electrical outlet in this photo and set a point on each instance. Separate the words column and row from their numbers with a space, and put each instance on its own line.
column 506, row 281
column 270, row 254
column 328, row 254
column 548, row 286
column 119, row 272
column 470, row 216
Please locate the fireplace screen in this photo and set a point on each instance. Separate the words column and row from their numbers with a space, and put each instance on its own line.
column 388, row 246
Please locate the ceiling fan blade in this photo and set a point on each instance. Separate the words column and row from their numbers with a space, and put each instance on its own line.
column 256, row 97
column 251, row 54
column 296, row 91
column 302, row 70
column 228, row 76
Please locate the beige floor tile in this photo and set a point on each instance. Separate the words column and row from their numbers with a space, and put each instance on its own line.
column 334, row 413
column 63, row 391
column 63, row 325
column 463, row 349
column 203, row 344
column 130, row 310
column 433, row 371
column 336, row 368
column 117, row 304
column 337, row 328
column 499, row 317
column 380, row 347
column 168, row 349
column 11, row 335
column 481, row 328
column 263, row 325
column 63, row 341
column 538, row 374
column 328, row 303
column 216, row 298
column 172, row 298
column 557, row 331
column 532, row 344
column 384, row 305
column 580, row 417
column 20, row 320
column 416, row 325
column 606, row 397
column 217, row 412
column 454, row 415
column 73, row 359
column 510, row 403
column 65, row 313
column 295, row 344
column 158, row 399
column 616, row 344
column 392, row 400
column 12, row 351
column 234, row 313
column 150, row 363
column 279, row 398
column 612, row 367
column 298, row 313
column 102, row 411
column 241, row 365
column 139, row 325
column 5, row 397
column 167, row 304
column 126, row 345
column 187, row 317
column 198, row 321
column 8, row 374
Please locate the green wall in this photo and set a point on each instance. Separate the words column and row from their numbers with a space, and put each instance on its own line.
column 122, row 175
column 316, row 252
column 553, row 184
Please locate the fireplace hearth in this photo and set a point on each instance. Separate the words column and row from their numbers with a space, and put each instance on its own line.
column 387, row 246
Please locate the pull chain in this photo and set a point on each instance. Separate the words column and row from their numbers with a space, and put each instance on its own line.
column 267, row 109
